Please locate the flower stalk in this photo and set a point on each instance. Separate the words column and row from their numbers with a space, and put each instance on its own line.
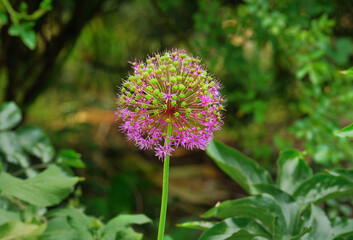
column 163, row 213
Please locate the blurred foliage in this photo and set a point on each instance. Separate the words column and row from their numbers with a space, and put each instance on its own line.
column 22, row 22
column 286, row 209
column 24, row 201
column 282, row 55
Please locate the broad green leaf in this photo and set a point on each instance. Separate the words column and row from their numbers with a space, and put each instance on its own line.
column 201, row 225
column 13, row 152
column 245, row 171
column 76, row 219
column 345, row 173
column 10, row 115
column 323, row 186
column 236, row 228
column 58, row 229
column 290, row 208
column 48, row 188
column 120, row 223
column 167, row 237
column 69, row 158
column 36, row 142
column 318, row 223
column 21, row 231
column 125, row 234
column 263, row 208
column 292, row 170
column 6, row 216
column 345, row 132
column 9, row 145
column 342, row 226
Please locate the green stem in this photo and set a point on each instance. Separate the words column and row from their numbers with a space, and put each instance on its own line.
column 16, row 16
column 164, row 189
column 12, row 12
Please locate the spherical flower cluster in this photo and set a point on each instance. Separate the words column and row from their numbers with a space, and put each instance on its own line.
column 170, row 101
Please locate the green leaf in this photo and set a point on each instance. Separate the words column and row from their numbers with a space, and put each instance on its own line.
column 120, row 223
column 289, row 206
column 76, row 219
column 29, row 38
column 347, row 72
column 36, row 142
column 236, row 228
column 342, row 50
column 58, row 229
column 9, row 145
column 25, row 31
column 167, row 237
column 69, row 158
column 15, row 30
column 12, row 150
column 263, row 208
column 323, row 186
column 245, row 171
column 342, row 226
column 345, row 132
column 23, row 7
column 3, row 18
column 48, row 188
column 126, row 234
column 345, row 173
column 6, row 216
column 21, row 231
column 318, row 223
column 292, row 170
column 46, row 5
column 302, row 71
column 10, row 115
column 201, row 225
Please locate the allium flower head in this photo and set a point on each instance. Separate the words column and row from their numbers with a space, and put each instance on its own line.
column 170, row 89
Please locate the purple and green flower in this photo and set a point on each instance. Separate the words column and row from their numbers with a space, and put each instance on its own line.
column 170, row 101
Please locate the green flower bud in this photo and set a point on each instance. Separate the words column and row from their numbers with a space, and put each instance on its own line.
column 172, row 69
column 181, row 87
column 154, row 81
